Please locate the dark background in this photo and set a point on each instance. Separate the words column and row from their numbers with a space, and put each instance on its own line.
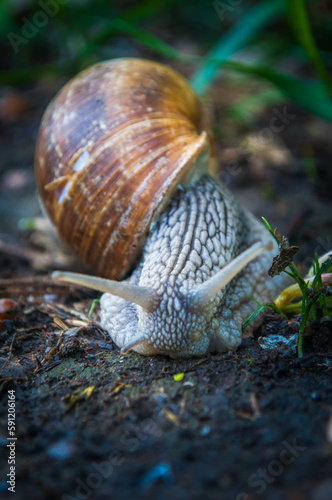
column 252, row 424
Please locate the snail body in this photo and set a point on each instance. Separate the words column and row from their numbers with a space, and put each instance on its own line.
column 125, row 172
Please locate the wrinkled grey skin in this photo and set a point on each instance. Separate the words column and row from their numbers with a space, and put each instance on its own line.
column 202, row 229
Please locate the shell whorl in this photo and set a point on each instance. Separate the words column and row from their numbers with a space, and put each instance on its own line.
column 113, row 146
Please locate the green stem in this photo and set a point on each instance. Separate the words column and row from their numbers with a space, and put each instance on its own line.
column 302, row 284
column 300, row 343
column 304, row 322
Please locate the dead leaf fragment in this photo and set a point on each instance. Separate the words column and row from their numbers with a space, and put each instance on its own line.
column 72, row 399
column 172, row 417
column 285, row 257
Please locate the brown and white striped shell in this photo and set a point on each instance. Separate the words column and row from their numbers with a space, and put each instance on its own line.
column 113, row 146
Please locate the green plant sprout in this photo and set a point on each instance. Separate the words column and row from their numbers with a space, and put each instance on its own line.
column 314, row 290
column 259, row 309
column 93, row 306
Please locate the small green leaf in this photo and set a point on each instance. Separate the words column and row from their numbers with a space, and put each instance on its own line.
column 92, row 308
column 254, row 315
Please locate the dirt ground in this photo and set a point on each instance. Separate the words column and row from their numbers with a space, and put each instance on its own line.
column 93, row 424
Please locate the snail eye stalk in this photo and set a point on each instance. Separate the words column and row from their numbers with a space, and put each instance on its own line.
column 203, row 293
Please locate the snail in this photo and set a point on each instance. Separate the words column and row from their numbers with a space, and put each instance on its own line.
column 126, row 172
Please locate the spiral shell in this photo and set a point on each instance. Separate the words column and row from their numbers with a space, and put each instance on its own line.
column 113, row 146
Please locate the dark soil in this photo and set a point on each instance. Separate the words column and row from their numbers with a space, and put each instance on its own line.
column 92, row 424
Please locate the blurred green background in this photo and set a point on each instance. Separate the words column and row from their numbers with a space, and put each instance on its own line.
column 285, row 42
column 248, row 58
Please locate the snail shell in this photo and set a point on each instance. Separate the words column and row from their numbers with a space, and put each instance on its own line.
column 113, row 146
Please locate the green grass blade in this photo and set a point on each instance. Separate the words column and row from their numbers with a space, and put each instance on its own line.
column 116, row 26
column 7, row 23
column 246, row 110
column 236, row 38
column 260, row 308
column 270, row 229
column 93, row 306
column 254, row 314
column 147, row 39
column 310, row 95
column 78, row 61
column 321, row 269
column 299, row 20
column 145, row 9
